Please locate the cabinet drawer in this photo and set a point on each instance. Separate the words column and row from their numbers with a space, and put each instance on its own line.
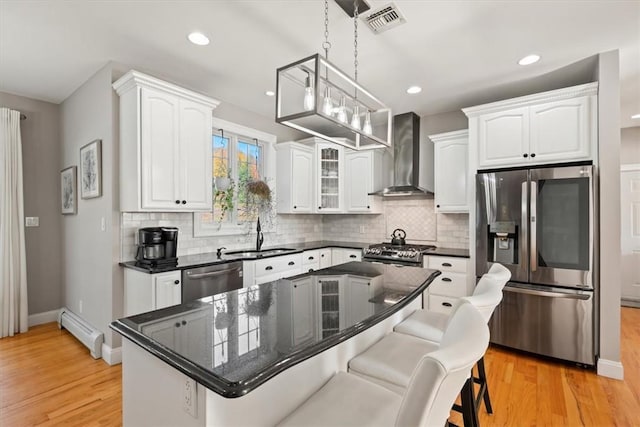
column 275, row 276
column 449, row 284
column 310, row 257
column 442, row 304
column 279, row 264
column 447, row 264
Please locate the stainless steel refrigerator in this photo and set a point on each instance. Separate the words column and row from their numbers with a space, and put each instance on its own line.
column 541, row 224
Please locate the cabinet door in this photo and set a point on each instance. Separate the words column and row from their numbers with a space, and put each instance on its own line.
column 451, row 176
column 325, row 258
column 168, row 290
column 159, row 150
column 358, row 181
column 195, row 156
column 330, row 179
column 561, row 130
column 166, row 332
column 503, row 138
column 303, row 310
column 302, row 181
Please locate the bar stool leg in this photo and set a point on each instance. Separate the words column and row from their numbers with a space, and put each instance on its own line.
column 484, row 387
column 469, row 409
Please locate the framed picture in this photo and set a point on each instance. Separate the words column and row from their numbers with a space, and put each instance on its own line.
column 69, row 190
column 91, row 170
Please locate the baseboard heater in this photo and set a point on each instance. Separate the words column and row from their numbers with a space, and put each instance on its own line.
column 84, row 332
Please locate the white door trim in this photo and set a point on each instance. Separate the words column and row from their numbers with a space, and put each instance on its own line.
column 630, row 167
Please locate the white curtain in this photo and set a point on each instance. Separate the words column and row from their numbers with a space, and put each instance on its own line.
column 13, row 264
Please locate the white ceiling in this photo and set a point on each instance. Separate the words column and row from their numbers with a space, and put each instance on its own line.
column 462, row 53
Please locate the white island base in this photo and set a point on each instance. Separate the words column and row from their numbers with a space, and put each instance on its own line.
column 153, row 392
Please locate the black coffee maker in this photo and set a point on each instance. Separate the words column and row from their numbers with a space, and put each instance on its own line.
column 157, row 246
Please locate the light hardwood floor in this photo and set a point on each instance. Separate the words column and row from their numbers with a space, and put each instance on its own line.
column 48, row 378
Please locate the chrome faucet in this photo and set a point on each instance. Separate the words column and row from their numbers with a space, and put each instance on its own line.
column 259, row 236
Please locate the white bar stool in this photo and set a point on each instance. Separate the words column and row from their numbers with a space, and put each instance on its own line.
column 430, row 326
column 434, row 384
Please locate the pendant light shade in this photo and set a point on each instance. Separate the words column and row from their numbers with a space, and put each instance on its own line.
column 301, row 83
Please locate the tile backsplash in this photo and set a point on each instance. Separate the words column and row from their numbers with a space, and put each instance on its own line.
column 415, row 215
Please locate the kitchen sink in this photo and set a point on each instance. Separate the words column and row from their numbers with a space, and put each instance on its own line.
column 258, row 254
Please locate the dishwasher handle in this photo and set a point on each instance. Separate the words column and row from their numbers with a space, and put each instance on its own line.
column 211, row 273
column 544, row 293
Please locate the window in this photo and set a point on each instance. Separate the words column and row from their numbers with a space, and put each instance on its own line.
column 239, row 160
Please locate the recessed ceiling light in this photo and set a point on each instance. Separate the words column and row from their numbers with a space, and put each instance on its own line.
column 269, row 93
column 414, row 89
column 636, row 116
column 529, row 59
column 198, row 38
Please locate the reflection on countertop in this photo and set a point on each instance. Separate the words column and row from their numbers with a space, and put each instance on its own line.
column 234, row 341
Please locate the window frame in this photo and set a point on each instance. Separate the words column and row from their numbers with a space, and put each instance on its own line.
column 235, row 132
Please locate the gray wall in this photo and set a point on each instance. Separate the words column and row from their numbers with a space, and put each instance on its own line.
column 41, row 173
column 630, row 145
column 609, row 172
column 89, row 273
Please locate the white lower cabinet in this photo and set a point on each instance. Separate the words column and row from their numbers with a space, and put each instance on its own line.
column 325, row 257
column 296, row 312
column 357, row 293
column 270, row 269
column 146, row 292
column 311, row 260
column 342, row 255
column 454, row 282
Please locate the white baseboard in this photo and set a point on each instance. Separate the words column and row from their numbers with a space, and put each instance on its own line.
column 46, row 317
column 630, row 302
column 611, row 369
column 113, row 356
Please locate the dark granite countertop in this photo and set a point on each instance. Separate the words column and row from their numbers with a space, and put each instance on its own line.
column 235, row 341
column 210, row 258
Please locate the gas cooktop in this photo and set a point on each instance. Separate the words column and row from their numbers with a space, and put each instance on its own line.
column 404, row 254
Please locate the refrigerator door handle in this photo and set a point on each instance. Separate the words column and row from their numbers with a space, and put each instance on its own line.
column 547, row 293
column 532, row 227
column 525, row 222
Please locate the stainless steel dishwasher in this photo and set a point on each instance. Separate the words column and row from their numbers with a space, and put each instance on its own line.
column 210, row 280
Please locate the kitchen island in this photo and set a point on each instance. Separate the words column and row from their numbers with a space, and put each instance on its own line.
column 250, row 356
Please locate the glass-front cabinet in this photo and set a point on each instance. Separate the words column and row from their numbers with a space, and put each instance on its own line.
column 330, row 175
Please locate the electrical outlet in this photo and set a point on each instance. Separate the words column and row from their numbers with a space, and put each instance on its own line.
column 32, row 221
column 362, row 229
column 103, row 224
column 80, row 306
column 189, row 402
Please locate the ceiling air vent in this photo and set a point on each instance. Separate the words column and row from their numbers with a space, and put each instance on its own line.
column 384, row 18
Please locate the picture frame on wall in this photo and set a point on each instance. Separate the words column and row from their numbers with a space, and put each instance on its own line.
column 91, row 170
column 69, row 190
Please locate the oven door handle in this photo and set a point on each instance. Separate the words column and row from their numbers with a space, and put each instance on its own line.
column 211, row 274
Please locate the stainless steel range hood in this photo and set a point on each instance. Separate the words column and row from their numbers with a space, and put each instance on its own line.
column 410, row 168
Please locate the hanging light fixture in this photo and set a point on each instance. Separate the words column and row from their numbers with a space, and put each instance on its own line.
column 300, row 86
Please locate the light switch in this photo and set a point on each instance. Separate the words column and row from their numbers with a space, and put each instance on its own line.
column 32, row 221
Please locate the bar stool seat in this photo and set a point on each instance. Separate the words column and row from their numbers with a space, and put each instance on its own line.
column 390, row 361
column 424, row 324
column 434, row 383
column 347, row 400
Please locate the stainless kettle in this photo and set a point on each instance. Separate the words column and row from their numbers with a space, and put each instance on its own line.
column 397, row 237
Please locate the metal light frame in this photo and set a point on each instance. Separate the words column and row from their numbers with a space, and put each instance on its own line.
column 296, row 119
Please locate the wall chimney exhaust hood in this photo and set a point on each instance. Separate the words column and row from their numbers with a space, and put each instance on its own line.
column 412, row 167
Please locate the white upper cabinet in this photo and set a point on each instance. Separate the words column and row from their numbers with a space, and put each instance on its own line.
column 451, row 154
column 329, row 178
column 551, row 127
column 363, row 176
column 294, row 178
column 165, row 146
column 314, row 176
